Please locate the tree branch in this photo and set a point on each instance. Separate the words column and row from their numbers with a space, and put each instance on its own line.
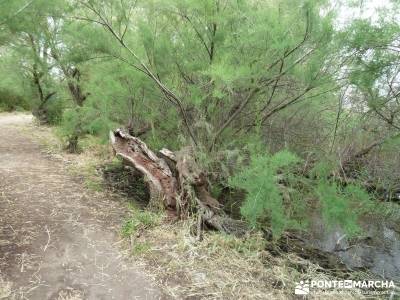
column 250, row 95
column 167, row 92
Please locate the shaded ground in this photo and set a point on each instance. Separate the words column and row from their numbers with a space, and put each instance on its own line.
column 57, row 239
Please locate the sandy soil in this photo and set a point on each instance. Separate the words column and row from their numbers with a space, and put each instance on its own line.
column 57, row 239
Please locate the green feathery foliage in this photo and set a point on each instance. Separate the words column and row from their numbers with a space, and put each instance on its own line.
column 264, row 204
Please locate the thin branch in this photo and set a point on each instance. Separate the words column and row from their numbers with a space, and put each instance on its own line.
column 17, row 12
column 210, row 54
column 167, row 92
column 275, row 86
column 284, row 105
column 340, row 104
column 363, row 152
column 386, row 119
column 250, row 95
column 290, row 52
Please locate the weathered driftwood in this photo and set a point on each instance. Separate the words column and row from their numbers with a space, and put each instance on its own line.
column 156, row 170
column 176, row 177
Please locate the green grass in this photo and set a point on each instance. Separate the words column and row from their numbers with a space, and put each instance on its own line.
column 94, row 184
column 140, row 248
column 139, row 220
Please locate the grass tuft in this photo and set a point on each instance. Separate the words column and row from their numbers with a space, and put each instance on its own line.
column 140, row 248
column 5, row 289
column 138, row 221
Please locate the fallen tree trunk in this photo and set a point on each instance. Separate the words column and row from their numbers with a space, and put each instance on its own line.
column 181, row 185
column 136, row 153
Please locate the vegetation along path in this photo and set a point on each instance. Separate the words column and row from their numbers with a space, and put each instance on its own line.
column 57, row 240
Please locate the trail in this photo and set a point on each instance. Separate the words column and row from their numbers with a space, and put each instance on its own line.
column 57, row 239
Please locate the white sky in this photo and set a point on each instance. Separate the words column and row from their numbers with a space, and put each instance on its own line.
column 366, row 9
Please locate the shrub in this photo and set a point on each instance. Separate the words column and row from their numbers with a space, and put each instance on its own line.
column 10, row 101
column 264, row 202
column 277, row 196
column 54, row 111
column 343, row 206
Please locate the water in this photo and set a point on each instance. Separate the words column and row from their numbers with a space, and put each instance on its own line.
column 377, row 249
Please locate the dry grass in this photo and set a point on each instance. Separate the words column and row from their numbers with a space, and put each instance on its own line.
column 222, row 267
column 5, row 289
column 70, row 295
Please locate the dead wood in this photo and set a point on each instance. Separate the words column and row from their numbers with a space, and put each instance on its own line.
column 176, row 180
column 155, row 170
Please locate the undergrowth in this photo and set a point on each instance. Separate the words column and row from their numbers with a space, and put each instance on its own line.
column 139, row 220
column 221, row 266
column 276, row 197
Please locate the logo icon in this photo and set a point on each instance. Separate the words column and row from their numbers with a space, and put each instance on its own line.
column 302, row 288
column 348, row 284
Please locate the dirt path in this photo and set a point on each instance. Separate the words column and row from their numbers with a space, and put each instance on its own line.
column 57, row 240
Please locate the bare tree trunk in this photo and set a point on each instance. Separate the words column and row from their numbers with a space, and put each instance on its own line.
column 73, row 146
column 74, row 87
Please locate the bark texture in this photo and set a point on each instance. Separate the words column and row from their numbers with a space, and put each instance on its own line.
column 135, row 152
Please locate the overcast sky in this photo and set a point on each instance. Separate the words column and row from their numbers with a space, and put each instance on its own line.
column 369, row 10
